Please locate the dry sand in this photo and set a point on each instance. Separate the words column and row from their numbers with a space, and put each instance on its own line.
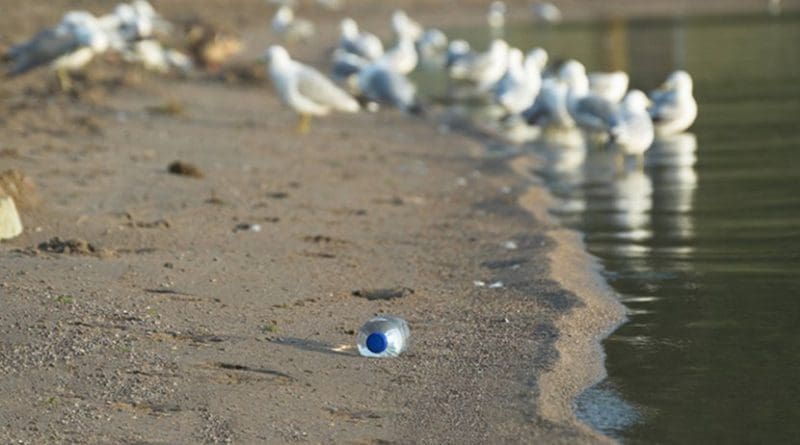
column 143, row 306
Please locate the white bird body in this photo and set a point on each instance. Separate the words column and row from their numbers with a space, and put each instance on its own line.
column 591, row 112
column 483, row 69
column 403, row 57
column 537, row 59
column 612, row 85
column 546, row 12
column 305, row 89
column 382, row 84
column 68, row 46
column 520, row 85
column 631, row 129
column 674, row 108
column 291, row 28
column 551, row 109
column 457, row 49
column 404, row 26
column 360, row 43
column 154, row 57
column 431, row 45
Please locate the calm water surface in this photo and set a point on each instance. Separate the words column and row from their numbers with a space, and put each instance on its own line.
column 703, row 246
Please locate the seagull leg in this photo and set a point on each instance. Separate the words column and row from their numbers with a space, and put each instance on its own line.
column 619, row 163
column 640, row 161
column 304, row 123
column 64, row 81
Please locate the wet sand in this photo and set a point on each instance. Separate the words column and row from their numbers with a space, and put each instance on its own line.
column 171, row 320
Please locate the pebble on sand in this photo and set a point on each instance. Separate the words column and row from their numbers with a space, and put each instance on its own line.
column 185, row 169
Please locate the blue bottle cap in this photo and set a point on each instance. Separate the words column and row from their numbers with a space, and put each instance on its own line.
column 376, row 342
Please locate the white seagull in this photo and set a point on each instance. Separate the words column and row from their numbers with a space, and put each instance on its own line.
column 496, row 17
column 631, row 129
column 381, row 83
column 518, row 88
column 483, row 69
column 291, row 28
column 674, row 108
column 304, row 89
column 67, row 47
column 403, row 25
column 610, row 85
column 360, row 43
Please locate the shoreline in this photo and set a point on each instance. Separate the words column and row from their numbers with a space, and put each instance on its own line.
column 194, row 330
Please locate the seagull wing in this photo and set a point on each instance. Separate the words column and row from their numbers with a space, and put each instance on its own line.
column 45, row 47
column 313, row 85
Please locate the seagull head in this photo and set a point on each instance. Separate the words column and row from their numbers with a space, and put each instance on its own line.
column 275, row 55
column 680, row 81
column 348, row 28
column 537, row 58
column 636, row 102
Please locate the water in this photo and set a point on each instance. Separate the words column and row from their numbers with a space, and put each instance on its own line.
column 703, row 245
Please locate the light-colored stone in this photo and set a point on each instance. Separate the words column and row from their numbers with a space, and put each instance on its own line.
column 10, row 224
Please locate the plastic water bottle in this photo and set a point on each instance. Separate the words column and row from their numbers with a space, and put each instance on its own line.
column 383, row 336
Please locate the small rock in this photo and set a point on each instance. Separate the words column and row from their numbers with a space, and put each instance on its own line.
column 185, row 169
column 383, row 294
column 511, row 245
column 247, row 227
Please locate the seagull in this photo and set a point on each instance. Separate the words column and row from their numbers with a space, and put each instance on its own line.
column 591, row 112
column 360, row 43
column 483, row 69
column 457, row 49
column 518, row 88
column 403, row 56
column 431, row 44
column 69, row 46
column 403, row 25
column 538, row 57
column 496, row 18
column 612, row 86
column 291, row 28
column 305, row 89
column 132, row 22
column 381, row 83
column 345, row 67
column 546, row 12
column 631, row 129
column 674, row 108
column 550, row 109
column 154, row 57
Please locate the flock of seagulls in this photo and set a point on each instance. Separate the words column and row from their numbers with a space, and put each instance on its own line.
column 524, row 87
column 129, row 30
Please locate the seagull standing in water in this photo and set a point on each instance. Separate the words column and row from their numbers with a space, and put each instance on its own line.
column 518, row 88
column 483, row 69
column 67, row 47
column 631, row 129
column 674, row 108
column 291, row 28
column 305, row 89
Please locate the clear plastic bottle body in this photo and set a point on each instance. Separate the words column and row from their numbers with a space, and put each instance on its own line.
column 383, row 336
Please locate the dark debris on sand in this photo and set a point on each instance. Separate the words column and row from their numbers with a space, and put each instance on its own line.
column 185, row 169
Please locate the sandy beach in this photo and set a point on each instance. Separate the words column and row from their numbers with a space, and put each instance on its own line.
column 143, row 306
